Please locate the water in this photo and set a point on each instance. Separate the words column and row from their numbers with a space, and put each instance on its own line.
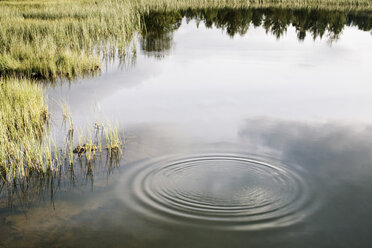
column 220, row 192
column 243, row 128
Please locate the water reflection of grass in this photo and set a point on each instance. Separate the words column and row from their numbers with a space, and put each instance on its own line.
column 37, row 186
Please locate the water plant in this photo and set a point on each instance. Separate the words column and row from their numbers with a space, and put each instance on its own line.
column 26, row 144
column 23, row 122
column 113, row 140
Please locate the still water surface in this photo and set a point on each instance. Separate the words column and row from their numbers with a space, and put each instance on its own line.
column 240, row 132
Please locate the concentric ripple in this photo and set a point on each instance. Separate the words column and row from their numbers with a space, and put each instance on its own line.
column 220, row 191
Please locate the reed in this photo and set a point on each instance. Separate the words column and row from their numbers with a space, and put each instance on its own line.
column 26, row 143
column 48, row 39
column 51, row 39
column 113, row 140
column 23, row 122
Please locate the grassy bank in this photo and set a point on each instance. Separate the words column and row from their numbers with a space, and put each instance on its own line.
column 48, row 39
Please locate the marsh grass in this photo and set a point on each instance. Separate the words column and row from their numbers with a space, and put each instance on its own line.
column 113, row 141
column 90, row 142
column 26, row 143
column 23, row 122
column 51, row 39
column 48, row 39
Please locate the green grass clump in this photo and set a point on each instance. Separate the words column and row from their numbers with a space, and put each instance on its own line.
column 26, row 144
column 23, row 122
column 30, row 62
column 91, row 143
column 113, row 140
column 50, row 39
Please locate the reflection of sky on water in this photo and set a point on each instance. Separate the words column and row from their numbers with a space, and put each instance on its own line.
column 211, row 82
column 338, row 157
column 336, row 160
column 343, row 151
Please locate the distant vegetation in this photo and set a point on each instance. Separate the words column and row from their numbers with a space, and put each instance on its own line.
column 160, row 25
column 51, row 39
column 317, row 22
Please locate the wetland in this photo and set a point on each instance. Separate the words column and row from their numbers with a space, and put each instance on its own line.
column 237, row 126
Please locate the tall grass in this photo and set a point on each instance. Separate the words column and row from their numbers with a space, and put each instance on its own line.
column 23, row 122
column 49, row 38
column 26, row 143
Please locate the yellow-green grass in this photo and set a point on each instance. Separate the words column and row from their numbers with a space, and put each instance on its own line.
column 64, row 38
column 26, row 144
column 50, row 39
column 23, row 122
column 113, row 140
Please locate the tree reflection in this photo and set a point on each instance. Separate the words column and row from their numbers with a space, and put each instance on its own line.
column 159, row 26
column 158, row 32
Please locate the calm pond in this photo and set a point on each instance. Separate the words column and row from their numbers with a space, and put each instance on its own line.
column 243, row 128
